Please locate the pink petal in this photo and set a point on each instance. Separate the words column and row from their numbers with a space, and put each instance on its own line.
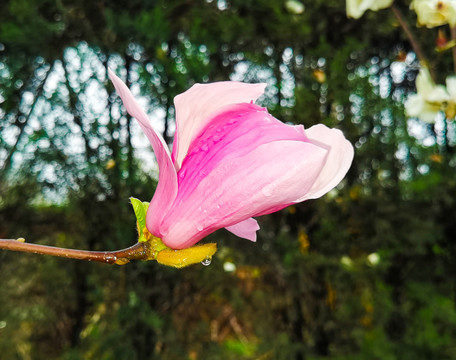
column 244, row 163
column 196, row 107
column 274, row 174
column 340, row 157
column 233, row 133
column 167, row 182
column 245, row 229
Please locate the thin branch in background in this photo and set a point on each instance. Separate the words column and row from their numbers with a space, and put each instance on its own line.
column 39, row 90
column 129, row 127
column 166, row 137
column 453, row 37
column 411, row 37
column 73, row 99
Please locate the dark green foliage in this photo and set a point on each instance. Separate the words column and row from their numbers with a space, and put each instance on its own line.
column 310, row 288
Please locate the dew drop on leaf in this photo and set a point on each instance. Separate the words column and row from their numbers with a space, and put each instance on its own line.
column 207, row 261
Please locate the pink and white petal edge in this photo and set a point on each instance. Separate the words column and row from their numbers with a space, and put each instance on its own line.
column 166, row 190
column 196, row 107
column 338, row 161
column 245, row 229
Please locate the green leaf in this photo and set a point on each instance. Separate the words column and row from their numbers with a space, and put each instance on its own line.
column 146, row 205
column 140, row 208
column 140, row 211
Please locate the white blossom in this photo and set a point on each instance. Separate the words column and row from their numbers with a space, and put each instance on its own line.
column 429, row 99
column 356, row 8
column 432, row 13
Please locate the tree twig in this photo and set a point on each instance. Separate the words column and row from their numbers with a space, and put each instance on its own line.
column 453, row 37
column 411, row 37
column 139, row 251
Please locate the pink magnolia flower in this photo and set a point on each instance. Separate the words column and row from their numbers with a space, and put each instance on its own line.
column 232, row 160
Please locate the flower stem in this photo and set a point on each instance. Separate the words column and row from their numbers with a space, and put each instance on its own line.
column 139, row 251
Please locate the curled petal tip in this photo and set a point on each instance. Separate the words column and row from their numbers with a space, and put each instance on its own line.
column 338, row 160
column 245, row 229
